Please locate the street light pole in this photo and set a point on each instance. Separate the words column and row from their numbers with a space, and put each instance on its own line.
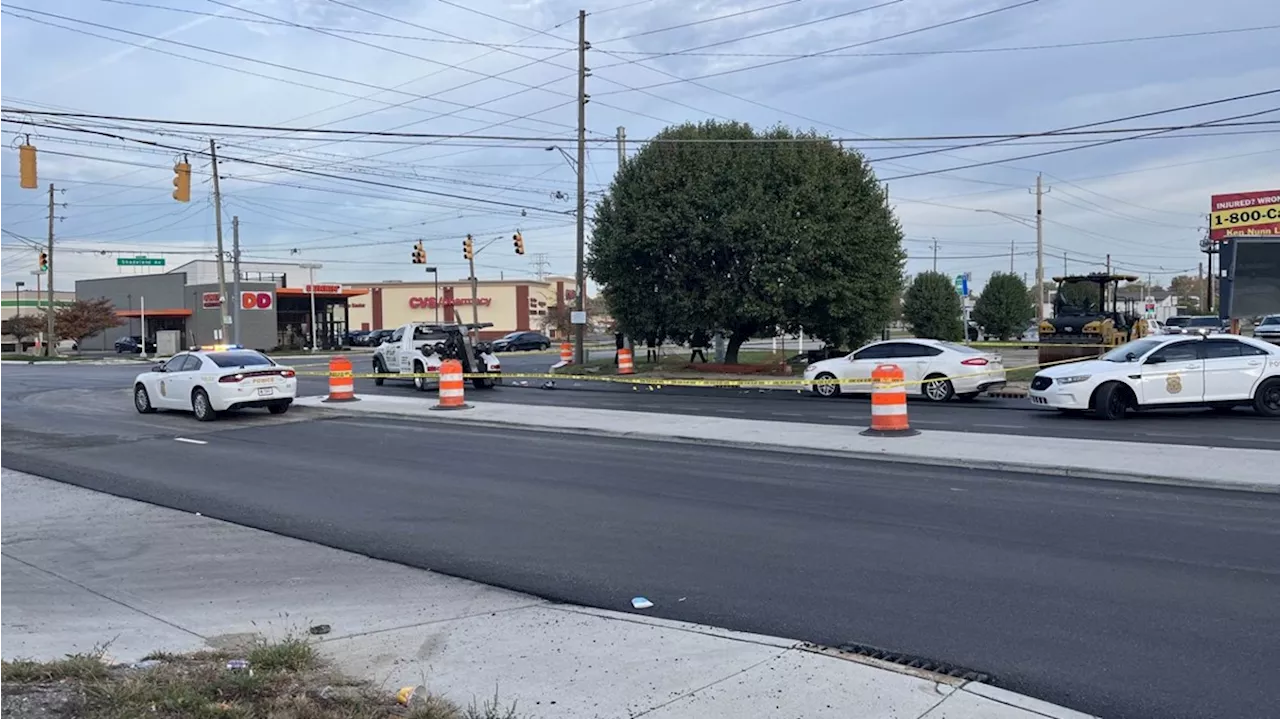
column 311, row 268
column 17, row 296
column 435, row 272
column 581, row 329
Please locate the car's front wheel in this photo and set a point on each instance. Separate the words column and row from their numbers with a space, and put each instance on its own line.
column 1111, row 401
column 419, row 382
column 825, row 385
column 202, row 407
column 142, row 400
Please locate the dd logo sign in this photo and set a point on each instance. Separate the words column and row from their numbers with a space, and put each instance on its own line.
column 256, row 300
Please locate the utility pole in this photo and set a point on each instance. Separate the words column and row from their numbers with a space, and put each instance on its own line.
column 48, row 313
column 935, row 254
column 217, row 229
column 1208, row 288
column 1011, row 257
column 580, row 331
column 1199, row 279
column 1039, row 191
column 235, row 278
column 1064, row 263
column 1108, row 263
column 475, row 292
column 622, row 147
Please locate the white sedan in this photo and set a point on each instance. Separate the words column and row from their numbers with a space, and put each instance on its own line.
column 933, row 369
column 215, row 379
column 1217, row 371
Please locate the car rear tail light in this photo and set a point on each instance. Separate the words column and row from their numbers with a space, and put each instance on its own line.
column 975, row 361
column 287, row 373
column 231, row 378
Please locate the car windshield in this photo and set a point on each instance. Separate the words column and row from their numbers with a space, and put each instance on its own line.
column 1272, row 320
column 1177, row 321
column 240, row 359
column 1203, row 322
column 511, row 335
column 1137, row 348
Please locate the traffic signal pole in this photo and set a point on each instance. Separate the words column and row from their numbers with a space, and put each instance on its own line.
column 217, row 229
column 48, row 313
column 580, row 331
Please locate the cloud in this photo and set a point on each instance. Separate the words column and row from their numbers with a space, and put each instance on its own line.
column 119, row 200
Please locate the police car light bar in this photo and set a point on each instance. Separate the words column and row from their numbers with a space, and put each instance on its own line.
column 216, row 348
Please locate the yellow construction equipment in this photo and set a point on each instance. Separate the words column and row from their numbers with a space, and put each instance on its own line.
column 1087, row 318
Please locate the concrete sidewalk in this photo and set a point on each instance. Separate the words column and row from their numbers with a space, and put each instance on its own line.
column 82, row 569
column 1250, row 470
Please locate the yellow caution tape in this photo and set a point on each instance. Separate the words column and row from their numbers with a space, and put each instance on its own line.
column 681, row 381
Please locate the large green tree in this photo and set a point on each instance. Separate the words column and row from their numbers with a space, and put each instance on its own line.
column 717, row 227
column 1003, row 308
column 932, row 309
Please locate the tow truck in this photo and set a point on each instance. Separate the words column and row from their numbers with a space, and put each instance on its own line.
column 419, row 348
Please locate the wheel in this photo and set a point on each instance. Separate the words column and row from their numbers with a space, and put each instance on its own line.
column 202, row 407
column 938, row 389
column 1266, row 401
column 830, row 389
column 279, row 407
column 968, row 396
column 378, row 369
column 544, row 346
column 1111, row 401
column 142, row 400
column 419, row 382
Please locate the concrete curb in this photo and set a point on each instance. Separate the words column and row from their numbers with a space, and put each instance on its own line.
column 993, row 465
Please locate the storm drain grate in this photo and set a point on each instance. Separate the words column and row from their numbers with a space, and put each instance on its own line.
column 914, row 662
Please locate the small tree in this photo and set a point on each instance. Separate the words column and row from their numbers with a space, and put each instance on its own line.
column 559, row 319
column 931, row 307
column 1003, row 309
column 24, row 327
column 85, row 318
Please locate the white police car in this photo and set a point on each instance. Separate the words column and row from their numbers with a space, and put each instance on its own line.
column 209, row 380
column 1166, row 371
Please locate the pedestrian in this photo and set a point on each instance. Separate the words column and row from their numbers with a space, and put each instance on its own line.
column 619, row 343
column 651, row 349
column 698, row 345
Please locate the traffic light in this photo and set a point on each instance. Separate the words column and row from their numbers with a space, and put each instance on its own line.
column 518, row 240
column 27, row 166
column 468, row 248
column 182, row 181
column 419, row 254
column 44, row 261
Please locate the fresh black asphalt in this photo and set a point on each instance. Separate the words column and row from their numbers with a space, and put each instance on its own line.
column 1117, row 600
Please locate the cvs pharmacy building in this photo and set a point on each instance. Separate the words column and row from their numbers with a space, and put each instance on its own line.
column 510, row 305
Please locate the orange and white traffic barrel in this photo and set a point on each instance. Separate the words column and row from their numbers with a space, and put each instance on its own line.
column 889, row 403
column 566, row 353
column 451, row 386
column 342, row 387
column 625, row 365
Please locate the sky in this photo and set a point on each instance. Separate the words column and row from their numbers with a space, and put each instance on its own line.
column 357, row 203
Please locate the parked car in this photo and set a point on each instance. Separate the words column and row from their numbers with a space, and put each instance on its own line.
column 524, row 340
column 133, row 345
column 934, row 369
column 356, row 338
column 1198, row 323
column 377, row 337
column 1268, row 329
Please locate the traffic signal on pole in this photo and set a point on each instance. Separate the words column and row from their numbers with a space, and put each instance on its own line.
column 44, row 261
column 468, row 248
column 419, row 254
column 518, row 240
column 27, row 166
column 182, row 181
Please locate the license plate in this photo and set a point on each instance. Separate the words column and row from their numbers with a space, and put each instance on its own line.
column 265, row 391
column 264, row 380
column 1039, row 400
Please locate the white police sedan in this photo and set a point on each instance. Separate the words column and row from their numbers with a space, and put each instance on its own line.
column 1166, row 371
column 209, row 380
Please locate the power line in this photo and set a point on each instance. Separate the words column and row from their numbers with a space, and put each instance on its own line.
column 1046, row 153
column 652, row 140
column 649, row 54
column 905, row 33
column 10, row 9
column 694, row 23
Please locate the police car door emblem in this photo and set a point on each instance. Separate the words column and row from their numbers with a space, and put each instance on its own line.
column 1173, row 384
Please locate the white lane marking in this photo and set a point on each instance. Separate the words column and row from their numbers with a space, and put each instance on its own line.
column 786, row 414
column 189, row 441
column 1001, row 426
column 732, row 411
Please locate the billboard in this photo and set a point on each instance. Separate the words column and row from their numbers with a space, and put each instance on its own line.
column 1245, row 214
column 1255, row 277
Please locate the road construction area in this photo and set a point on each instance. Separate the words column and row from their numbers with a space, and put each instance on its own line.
column 1112, row 598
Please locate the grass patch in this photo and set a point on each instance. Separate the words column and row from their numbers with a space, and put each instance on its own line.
column 749, row 362
column 22, row 357
column 285, row 680
column 1021, row 374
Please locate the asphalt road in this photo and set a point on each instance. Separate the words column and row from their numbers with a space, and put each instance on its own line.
column 1241, row 429
column 1118, row 600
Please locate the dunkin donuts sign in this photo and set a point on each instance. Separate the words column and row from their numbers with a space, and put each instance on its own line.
column 256, row 300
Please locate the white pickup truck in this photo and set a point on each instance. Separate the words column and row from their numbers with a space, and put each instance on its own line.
column 418, row 348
